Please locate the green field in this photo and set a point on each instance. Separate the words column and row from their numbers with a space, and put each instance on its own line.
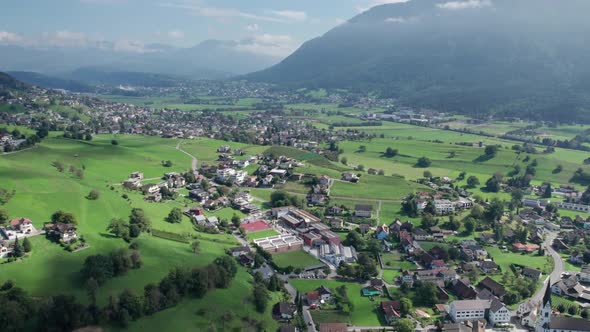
column 296, row 259
column 261, row 234
column 505, row 258
column 365, row 311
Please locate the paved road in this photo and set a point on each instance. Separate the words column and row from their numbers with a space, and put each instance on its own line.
column 558, row 268
column 194, row 159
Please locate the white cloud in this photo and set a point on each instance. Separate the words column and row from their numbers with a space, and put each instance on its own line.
column 10, row 37
column 176, row 34
column 467, row 4
column 200, row 8
column 289, row 15
column 268, row 44
column 252, row 27
column 64, row 38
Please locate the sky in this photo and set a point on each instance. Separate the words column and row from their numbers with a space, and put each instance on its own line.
column 278, row 27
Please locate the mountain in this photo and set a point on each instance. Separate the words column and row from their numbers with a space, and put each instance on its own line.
column 212, row 59
column 8, row 82
column 515, row 57
column 51, row 82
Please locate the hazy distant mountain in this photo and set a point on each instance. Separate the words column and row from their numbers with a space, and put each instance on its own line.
column 51, row 82
column 524, row 56
column 9, row 83
column 208, row 60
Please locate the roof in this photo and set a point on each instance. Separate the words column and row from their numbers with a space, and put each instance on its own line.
column 547, row 295
column 569, row 323
column 496, row 305
column 363, row 207
column 255, row 226
column 470, row 304
column 287, row 328
column 333, row 327
column 285, row 308
column 530, row 272
column 20, row 221
column 493, row 286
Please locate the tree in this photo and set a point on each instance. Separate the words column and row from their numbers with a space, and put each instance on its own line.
column 63, row 217
column 427, row 221
column 427, row 174
column 93, row 195
column 427, row 294
column 195, row 246
column 494, row 211
column 362, row 148
column 260, row 297
column 469, row 225
column 119, row 227
column 27, row 246
column 131, row 303
column 360, row 168
column 472, row 181
column 274, row 284
column 235, row 220
column 491, row 150
column 423, row 162
column 140, row 220
column 3, row 216
column 389, row 152
column 98, row 267
column 17, row 250
column 344, row 160
column 404, row 325
column 62, row 313
column 114, row 142
column 175, row 216
column 91, row 287
column 548, row 191
column 493, row 184
column 405, row 306
column 167, row 163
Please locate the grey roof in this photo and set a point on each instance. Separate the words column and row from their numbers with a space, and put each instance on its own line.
column 471, row 304
column 569, row 323
column 496, row 305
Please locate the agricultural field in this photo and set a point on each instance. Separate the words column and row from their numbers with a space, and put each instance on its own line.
column 296, row 259
column 505, row 258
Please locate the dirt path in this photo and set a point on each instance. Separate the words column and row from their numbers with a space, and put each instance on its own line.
column 194, row 162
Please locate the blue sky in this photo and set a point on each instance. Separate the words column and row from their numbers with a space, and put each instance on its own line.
column 129, row 25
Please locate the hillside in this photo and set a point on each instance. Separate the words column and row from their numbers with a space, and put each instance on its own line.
column 51, row 82
column 9, row 84
column 468, row 56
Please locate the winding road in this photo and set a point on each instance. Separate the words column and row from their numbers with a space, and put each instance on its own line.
column 194, row 162
column 558, row 267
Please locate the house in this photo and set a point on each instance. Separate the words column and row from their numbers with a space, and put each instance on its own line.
column 584, row 275
column 421, row 235
column 443, row 206
column 64, row 232
column 350, row 177
column 391, row 311
column 336, row 223
column 528, row 248
column 288, row 328
column 488, row 267
column 284, row 311
column 498, row 313
column 237, row 251
column 335, row 210
column 531, row 273
column 318, row 296
column 136, row 175
column 364, row 228
column 132, row 183
column 382, row 232
column 150, row 189
column 493, row 286
column 461, row 310
column 265, row 270
column 462, row 288
column 568, row 324
column 246, row 260
column 23, row 225
column 5, row 249
column 363, row 211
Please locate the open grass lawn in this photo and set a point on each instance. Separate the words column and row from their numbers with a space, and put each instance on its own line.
column 376, row 187
column 206, row 313
column 329, row 316
column 365, row 311
column 504, row 259
column 261, row 234
column 296, row 259
column 41, row 190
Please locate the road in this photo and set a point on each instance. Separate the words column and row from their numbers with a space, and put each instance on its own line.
column 195, row 161
column 558, row 268
column 378, row 218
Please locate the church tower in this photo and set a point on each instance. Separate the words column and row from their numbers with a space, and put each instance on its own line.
column 544, row 317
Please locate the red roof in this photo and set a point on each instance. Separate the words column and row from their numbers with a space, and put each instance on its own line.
column 255, row 226
column 20, row 221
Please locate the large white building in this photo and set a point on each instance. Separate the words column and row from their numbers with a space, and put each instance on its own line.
column 468, row 309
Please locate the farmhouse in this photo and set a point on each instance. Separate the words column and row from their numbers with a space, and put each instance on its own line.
column 64, row 232
column 284, row 311
column 391, row 311
column 22, row 225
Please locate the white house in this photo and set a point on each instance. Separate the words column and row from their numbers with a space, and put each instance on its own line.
column 498, row 313
column 468, row 309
